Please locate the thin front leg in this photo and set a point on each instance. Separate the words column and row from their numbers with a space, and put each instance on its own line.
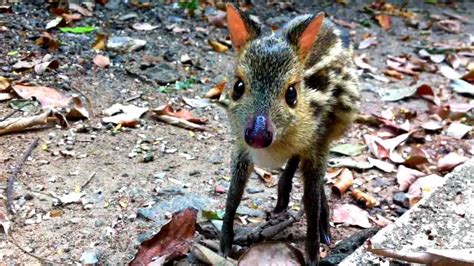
column 324, row 231
column 313, row 173
column 241, row 167
column 285, row 183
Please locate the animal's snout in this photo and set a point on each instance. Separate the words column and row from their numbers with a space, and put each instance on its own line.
column 259, row 132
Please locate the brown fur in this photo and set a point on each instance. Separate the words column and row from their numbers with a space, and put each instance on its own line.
column 327, row 102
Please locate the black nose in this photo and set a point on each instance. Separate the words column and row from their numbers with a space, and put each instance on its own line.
column 259, row 133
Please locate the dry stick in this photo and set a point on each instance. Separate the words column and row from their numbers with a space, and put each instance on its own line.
column 12, row 177
column 269, row 229
column 87, row 181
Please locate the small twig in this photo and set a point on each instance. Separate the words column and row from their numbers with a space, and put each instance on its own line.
column 134, row 97
column 269, row 229
column 16, row 170
column 87, row 181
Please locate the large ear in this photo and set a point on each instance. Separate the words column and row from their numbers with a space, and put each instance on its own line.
column 303, row 32
column 241, row 28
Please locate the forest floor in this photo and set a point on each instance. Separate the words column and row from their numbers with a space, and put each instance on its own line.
column 106, row 188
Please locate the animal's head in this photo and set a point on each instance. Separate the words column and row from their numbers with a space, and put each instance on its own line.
column 266, row 92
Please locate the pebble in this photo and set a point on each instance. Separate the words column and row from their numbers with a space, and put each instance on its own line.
column 401, row 199
column 194, row 172
column 163, row 74
column 219, row 189
column 215, row 159
column 124, row 44
column 252, row 190
column 90, row 257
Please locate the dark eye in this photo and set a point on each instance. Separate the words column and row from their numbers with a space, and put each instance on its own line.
column 290, row 96
column 239, row 89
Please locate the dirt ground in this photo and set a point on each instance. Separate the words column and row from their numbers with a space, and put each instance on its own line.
column 188, row 165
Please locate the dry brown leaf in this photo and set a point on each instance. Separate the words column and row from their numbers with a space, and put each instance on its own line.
column 216, row 92
column 168, row 110
column 22, row 123
column 218, row 47
column 393, row 73
column 173, row 240
column 384, row 20
column 100, row 42
column 407, row 176
column 416, row 157
column 218, row 20
column 343, row 23
column 54, row 23
column 271, row 253
column 384, row 166
column 453, row 60
column 267, row 177
column 180, row 122
column 449, row 25
column 70, row 18
column 351, row 214
column 46, row 40
column 359, row 61
column 343, row 182
column 22, row 65
column 4, row 84
column 101, row 61
column 76, row 109
column 48, row 97
column 210, row 257
column 6, row 96
column 125, row 115
column 41, row 67
column 469, row 76
column 448, row 162
column 75, row 7
column 380, row 220
column 458, row 130
column 363, row 198
column 144, row 26
column 422, row 186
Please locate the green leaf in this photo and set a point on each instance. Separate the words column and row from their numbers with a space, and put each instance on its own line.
column 12, row 53
column 30, row 106
column 163, row 89
column 213, row 215
column 348, row 149
column 433, row 2
column 191, row 5
column 84, row 29
column 184, row 85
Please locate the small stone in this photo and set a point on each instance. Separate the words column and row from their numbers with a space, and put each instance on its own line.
column 194, row 173
column 99, row 222
column 400, row 210
column 90, row 257
column 124, row 44
column 185, row 59
column 149, row 157
column 28, row 196
column 215, row 159
column 160, row 175
column 401, row 199
column 163, row 74
column 252, row 190
column 219, row 189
